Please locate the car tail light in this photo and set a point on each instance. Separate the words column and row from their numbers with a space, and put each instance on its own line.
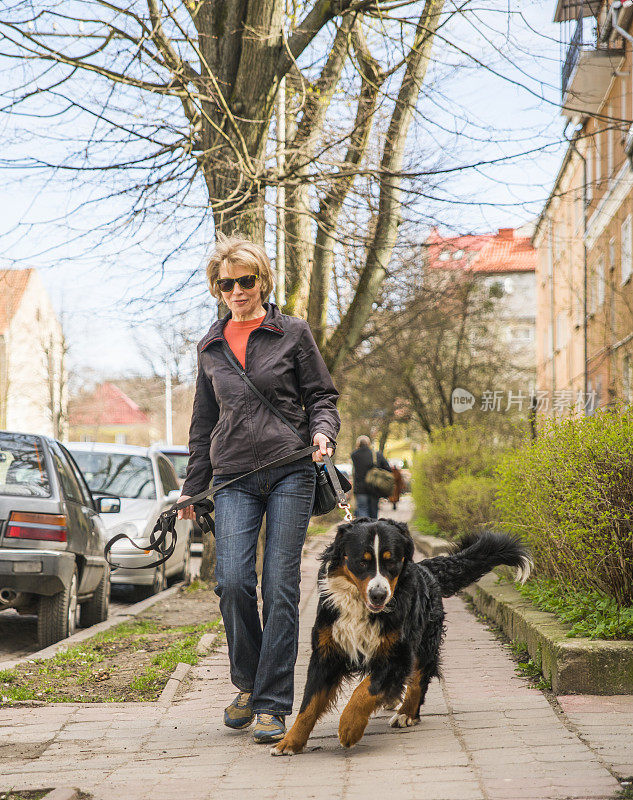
column 45, row 527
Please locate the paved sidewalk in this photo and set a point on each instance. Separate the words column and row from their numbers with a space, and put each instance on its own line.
column 485, row 734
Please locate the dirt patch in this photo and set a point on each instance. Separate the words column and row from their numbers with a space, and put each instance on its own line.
column 31, row 795
column 37, row 795
column 131, row 662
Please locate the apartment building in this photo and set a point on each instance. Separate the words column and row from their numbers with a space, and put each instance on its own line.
column 584, row 236
column 504, row 262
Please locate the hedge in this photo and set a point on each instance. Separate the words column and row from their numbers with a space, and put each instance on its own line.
column 569, row 494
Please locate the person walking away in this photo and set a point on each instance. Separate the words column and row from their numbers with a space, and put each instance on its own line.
column 394, row 497
column 363, row 459
column 232, row 432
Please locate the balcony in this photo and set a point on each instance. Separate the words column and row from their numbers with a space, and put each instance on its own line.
column 591, row 58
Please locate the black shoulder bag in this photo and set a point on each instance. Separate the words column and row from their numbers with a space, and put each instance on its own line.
column 331, row 485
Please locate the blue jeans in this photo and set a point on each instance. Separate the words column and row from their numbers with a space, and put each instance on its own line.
column 262, row 657
column 366, row 505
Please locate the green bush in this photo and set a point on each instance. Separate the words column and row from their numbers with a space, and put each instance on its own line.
column 453, row 480
column 570, row 495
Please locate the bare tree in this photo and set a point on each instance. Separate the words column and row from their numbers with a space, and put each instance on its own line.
column 181, row 90
column 55, row 351
column 433, row 333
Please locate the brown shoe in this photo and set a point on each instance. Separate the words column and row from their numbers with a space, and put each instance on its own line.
column 239, row 714
column 269, row 728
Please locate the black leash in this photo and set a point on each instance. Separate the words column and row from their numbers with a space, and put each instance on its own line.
column 203, row 508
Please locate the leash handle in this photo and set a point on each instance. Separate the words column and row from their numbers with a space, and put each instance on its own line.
column 203, row 505
column 341, row 500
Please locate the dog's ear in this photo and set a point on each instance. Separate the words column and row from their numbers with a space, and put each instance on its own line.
column 403, row 530
column 333, row 554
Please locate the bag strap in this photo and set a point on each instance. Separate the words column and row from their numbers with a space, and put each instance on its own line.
column 242, row 373
column 331, row 469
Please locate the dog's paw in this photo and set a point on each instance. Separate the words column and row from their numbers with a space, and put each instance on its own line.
column 286, row 747
column 403, row 721
column 351, row 730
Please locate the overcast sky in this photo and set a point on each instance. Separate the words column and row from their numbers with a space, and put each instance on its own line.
column 504, row 108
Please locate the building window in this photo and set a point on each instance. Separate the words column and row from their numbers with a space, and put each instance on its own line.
column 444, row 255
column 550, row 343
column 598, row 138
column 508, row 285
column 610, row 147
column 458, row 254
column 626, row 250
column 561, row 339
column 591, row 292
column 612, row 253
column 120, row 438
column 523, row 334
column 578, row 310
column 601, row 283
column 627, row 382
column 589, row 174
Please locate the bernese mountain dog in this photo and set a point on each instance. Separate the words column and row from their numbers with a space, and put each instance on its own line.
column 380, row 616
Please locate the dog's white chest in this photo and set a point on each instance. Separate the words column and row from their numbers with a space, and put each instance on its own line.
column 355, row 631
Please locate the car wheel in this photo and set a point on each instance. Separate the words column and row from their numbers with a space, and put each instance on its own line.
column 96, row 609
column 57, row 615
column 158, row 584
column 185, row 573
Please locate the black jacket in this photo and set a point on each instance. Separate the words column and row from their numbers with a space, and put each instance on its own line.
column 362, row 461
column 231, row 429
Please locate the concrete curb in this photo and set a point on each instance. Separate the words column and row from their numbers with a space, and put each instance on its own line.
column 574, row 666
column 88, row 633
column 205, row 645
column 430, row 546
column 63, row 794
column 173, row 684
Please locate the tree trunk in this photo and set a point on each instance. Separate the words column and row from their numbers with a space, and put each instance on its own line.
column 349, row 331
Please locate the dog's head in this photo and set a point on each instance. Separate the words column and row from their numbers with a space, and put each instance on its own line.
column 370, row 554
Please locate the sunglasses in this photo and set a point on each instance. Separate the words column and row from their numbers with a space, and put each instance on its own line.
column 245, row 281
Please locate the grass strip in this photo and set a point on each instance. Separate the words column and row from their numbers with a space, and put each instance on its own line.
column 590, row 613
column 129, row 662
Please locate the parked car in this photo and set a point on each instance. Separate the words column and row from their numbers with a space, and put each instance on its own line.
column 178, row 454
column 145, row 482
column 51, row 538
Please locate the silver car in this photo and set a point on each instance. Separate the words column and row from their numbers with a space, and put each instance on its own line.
column 145, row 482
column 51, row 538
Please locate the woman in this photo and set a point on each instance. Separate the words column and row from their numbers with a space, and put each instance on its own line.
column 233, row 432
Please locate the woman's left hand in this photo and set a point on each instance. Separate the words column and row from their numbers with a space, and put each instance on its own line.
column 325, row 446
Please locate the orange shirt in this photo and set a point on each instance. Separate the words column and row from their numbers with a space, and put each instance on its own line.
column 237, row 333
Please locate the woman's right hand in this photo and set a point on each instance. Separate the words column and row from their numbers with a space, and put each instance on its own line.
column 187, row 512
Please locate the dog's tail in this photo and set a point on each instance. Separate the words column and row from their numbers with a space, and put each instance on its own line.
column 477, row 555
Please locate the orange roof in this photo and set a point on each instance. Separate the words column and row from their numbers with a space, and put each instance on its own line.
column 485, row 253
column 13, row 282
column 107, row 405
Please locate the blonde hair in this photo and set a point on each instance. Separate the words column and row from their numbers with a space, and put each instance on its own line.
column 239, row 252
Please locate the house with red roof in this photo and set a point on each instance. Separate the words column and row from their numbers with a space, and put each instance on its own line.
column 107, row 414
column 505, row 262
column 33, row 376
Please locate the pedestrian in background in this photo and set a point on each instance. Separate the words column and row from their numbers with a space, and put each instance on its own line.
column 232, row 432
column 398, row 478
column 363, row 459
